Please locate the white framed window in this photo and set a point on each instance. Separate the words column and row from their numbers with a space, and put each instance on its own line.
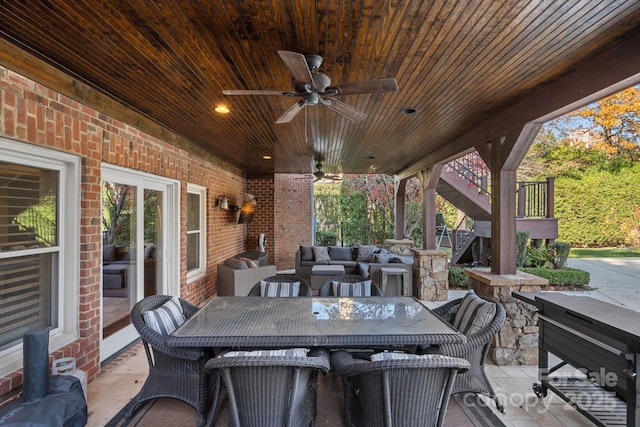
column 39, row 247
column 196, row 231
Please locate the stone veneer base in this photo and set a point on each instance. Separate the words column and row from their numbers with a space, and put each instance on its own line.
column 517, row 341
column 430, row 274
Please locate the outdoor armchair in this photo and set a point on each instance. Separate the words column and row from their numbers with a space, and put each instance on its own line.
column 278, row 286
column 173, row 372
column 327, row 288
column 474, row 350
column 396, row 389
column 271, row 388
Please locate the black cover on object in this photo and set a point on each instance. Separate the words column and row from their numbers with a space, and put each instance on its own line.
column 63, row 406
column 35, row 354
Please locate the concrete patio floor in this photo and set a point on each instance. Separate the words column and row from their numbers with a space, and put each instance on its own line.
column 616, row 280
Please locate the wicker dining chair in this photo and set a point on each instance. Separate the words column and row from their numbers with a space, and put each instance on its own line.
column 326, row 289
column 396, row 389
column 474, row 350
column 271, row 388
column 305, row 289
column 177, row 373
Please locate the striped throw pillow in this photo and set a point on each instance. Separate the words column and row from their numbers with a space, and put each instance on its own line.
column 474, row 314
column 279, row 289
column 357, row 289
column 289, row 352
column 166, row 318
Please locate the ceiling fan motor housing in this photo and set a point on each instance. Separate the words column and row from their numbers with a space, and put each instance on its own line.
column 313, row 61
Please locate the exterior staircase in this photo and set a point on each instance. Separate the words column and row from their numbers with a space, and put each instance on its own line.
column 466, row 182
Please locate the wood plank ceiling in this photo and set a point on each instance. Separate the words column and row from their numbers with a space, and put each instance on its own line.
column 456, row 63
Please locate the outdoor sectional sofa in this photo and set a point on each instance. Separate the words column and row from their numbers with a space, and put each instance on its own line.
column 365, row 260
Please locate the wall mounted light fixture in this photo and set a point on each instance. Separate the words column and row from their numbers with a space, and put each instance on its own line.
column 222, row 202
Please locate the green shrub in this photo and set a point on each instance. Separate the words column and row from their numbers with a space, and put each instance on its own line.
column 326, row 238
column 536, row 257
column 457, row 278
column 522, row 237
column 569, row 277
column 558, row 253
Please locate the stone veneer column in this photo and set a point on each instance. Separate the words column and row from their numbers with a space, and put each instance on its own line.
column 399, row 247
column 430, row 274
column 517, row 340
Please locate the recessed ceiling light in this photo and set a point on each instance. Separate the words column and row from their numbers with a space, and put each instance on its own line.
column 221, row 109
column 408, row 110
column 266, row 157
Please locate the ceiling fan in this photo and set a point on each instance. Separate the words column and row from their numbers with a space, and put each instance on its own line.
column 319, row 174
column 315, row 88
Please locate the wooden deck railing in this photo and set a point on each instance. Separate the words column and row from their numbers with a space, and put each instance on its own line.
column 534, row 198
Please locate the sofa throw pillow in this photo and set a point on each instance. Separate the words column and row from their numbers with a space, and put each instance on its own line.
column 288, row 352
column 340, row 253
column 321, row 254
column 279, row 289
column 306, row 253
column 474, row 314
column 250, row 263
column 166, row 318
column 237, row 264
column 366, row 252
column 356, row 289
column 382, row 258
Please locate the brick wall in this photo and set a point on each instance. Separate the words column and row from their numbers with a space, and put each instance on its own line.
column 292, row 217
column 263, row 189
column 37, row 115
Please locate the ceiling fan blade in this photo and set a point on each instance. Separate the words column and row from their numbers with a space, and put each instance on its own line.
column 253, row 92
column 345, row 110
column 297, row 63
column 368, row 86
column 291, row 112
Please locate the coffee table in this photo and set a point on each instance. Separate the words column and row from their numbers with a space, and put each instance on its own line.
column 322, row 272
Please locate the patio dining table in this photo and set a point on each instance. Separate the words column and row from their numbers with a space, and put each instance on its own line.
column 331, row 322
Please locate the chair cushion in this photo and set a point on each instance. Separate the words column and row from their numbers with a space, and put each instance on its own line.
column 306, row 253
column 289, row 352
column 474, row 314
column 392, row 355
column 279, row 289
column 365, row 253
column 321, row 254
column 356, row 289
column 166, row 318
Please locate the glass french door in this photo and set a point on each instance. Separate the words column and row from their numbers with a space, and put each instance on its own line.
column 139, row 230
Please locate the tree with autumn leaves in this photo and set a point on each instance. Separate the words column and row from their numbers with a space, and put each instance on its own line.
column 617, row 120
